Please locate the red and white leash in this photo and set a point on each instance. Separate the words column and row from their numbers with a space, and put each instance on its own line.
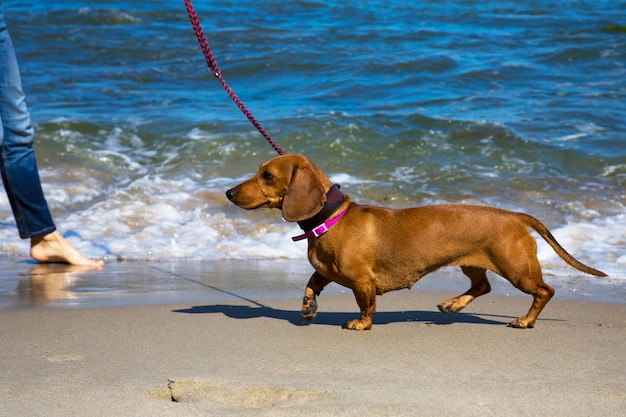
column 210, row 60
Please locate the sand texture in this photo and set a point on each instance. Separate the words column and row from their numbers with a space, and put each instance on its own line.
column 253, row 358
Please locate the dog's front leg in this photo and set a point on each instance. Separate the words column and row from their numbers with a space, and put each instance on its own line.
column 309, row 304
column 365, row 294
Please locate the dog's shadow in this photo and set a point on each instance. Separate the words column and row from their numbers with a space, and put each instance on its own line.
column 338, row 318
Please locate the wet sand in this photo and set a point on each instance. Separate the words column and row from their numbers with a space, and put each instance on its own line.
column 224, row 339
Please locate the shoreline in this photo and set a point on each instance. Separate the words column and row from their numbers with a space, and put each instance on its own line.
column 27, row 284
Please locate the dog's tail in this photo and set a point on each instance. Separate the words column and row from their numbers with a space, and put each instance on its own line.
column 547, row 236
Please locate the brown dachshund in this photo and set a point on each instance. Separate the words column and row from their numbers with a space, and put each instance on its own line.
column 372, row 250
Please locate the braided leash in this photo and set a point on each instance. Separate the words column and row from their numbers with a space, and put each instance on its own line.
column 210, row 60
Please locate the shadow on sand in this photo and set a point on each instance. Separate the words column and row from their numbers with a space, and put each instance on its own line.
column 338, row 318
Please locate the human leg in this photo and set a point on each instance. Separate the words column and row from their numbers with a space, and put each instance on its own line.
column 18, row 166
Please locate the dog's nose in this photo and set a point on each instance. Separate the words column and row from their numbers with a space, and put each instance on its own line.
column 230, row 194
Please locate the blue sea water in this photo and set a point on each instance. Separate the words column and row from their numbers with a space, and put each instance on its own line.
column 513, row 104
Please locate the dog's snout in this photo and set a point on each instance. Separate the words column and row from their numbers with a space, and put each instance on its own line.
column 230, row 194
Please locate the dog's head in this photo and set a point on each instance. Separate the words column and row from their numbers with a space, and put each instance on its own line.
column 290, row 183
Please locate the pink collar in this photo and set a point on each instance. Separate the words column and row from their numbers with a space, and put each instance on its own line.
column 321, row 229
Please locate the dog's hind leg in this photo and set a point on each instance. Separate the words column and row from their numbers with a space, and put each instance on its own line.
column 480, row 286
column 541, row 292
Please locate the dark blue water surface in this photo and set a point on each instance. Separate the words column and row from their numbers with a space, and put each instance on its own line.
column 515, row 104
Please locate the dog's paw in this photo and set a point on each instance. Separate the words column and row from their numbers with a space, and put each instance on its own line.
column 357, row 325
column 521, row 323
column 456, row 304
column 309, row 309
column 447, row 308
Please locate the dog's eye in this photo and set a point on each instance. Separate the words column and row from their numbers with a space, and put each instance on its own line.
column 267, row 176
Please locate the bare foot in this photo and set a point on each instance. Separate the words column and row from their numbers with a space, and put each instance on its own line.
column 54, row 248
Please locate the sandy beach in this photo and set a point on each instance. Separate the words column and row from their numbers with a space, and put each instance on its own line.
column 224, row 339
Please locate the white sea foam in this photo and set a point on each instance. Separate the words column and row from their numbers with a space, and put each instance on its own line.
column 154, row 218
column 596, row 243
column 343, row 178
column 163, row 219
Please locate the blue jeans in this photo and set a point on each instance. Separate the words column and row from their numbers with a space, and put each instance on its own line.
column 18, row 165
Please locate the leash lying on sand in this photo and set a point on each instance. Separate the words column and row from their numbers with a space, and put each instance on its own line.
column 210, row 60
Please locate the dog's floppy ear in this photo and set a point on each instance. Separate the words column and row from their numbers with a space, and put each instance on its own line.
column 305, row 196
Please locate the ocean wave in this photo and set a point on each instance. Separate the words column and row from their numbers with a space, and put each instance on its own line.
column 157, row 218
column 596, row 243
column 458, row 103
